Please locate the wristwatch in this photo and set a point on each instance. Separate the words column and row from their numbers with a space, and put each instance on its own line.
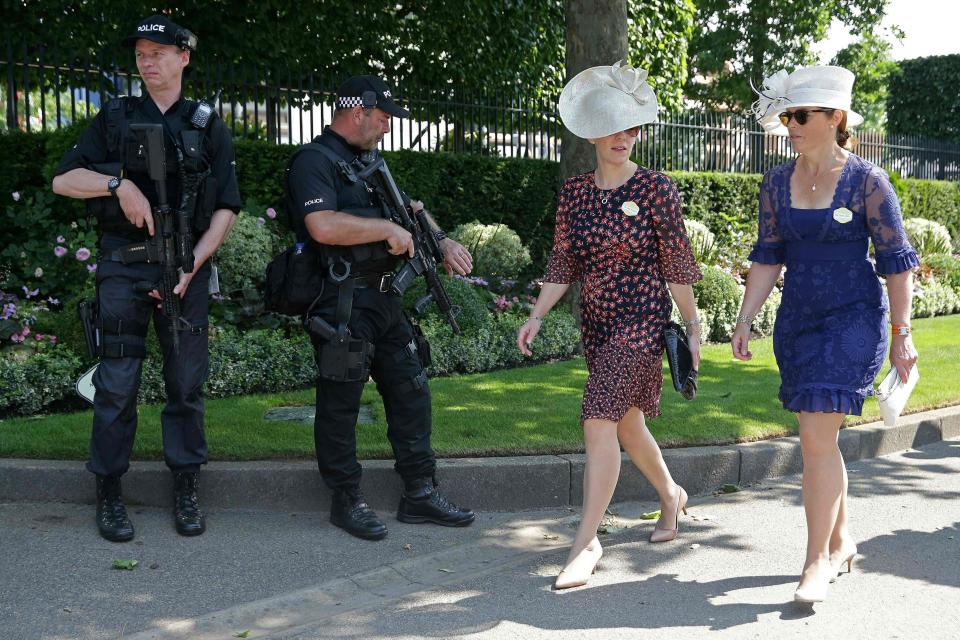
column 901, row 329
column 113, row 184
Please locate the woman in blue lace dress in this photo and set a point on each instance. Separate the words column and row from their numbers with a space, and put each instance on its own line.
column 818, row 214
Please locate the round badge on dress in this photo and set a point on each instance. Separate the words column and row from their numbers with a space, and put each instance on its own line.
column 842, row 215
column 630, row 208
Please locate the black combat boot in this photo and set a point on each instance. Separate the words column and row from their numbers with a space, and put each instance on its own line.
column 112, row 520
column 422, row 502
column 351, row 513
column 187, row 516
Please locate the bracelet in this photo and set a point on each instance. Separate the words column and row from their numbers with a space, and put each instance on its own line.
column 537, row 318
column 691, row 323
column 439, row 236
column 745, row 319
column 901, row 329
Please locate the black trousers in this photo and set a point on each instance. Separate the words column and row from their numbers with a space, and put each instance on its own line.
column 117, row 379
column 401, row 381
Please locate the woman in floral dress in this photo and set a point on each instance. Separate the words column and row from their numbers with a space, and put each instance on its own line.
column 620, row 233
column 818, row 214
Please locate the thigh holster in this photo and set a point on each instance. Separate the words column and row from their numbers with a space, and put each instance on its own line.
column 345, row 360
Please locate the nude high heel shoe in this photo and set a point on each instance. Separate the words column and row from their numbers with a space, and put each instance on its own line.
column 665, row 535
column 813, row 592
column 579, row 570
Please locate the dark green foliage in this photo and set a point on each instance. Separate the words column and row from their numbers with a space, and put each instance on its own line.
column 870, row 60
column 718, row 296
column 931, row 199
column 923, row 98
column 474, row 313
column 35, row 382
column 945, row 268
column 20, row 169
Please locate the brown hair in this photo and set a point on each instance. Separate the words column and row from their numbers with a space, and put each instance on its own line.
column 844, row 138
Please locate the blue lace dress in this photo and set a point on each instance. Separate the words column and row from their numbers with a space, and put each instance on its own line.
column 830, row 336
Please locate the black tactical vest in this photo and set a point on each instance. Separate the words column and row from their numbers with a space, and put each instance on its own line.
column 126, row 159
column 355, row 198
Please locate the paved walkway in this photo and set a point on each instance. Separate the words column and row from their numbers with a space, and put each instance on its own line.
column 291, row 575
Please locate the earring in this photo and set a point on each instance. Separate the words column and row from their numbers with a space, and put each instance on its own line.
column 832, row 126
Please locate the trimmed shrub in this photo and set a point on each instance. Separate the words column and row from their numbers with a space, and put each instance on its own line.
column 718, row 294
column 767, row 316
column 932, row 298
column 473, row 315
column 34, row 382
column 243, row 257
column 927, row 237
column 496, row 248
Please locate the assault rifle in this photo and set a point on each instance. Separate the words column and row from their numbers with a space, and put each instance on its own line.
column 427, row 254
column 162, row 245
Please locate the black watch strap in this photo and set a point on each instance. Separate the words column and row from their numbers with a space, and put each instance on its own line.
column 113, row 184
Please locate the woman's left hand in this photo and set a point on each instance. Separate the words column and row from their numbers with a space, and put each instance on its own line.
column 903, row 356
column 693, row 341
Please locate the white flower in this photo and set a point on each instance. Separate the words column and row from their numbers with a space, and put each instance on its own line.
column 16, row 196
column 38, row 273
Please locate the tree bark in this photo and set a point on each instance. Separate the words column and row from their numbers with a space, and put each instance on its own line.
column 596, row 35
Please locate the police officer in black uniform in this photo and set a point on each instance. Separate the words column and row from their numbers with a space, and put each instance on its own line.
column 108, row 170
column 359, row 248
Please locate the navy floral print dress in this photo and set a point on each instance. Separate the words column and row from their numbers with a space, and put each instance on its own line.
column 830, row 336
column 623, row 245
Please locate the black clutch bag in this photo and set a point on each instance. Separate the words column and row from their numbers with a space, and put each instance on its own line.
column 680, row 359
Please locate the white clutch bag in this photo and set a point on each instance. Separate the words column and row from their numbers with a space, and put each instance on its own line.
column 892, row 394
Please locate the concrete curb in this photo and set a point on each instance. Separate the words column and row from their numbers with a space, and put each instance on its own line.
column 493, row 484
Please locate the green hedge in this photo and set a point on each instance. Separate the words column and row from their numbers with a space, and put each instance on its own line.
column 520, row 193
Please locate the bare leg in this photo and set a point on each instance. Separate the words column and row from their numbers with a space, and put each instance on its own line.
column 823, row 485
column 599, row 481
column 643, row 450
column 842, row 545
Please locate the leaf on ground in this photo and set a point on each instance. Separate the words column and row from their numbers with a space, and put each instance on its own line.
column 242, row 634
column 445, row 570
column 651, row 515
column 125, row 565
column 729, row 488
column 408, row 547
column 548, row 536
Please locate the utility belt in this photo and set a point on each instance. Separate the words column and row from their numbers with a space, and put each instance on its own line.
column 341, row 357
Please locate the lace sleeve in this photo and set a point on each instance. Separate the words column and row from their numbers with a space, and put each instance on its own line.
column 768, row 248
column 563, row 267
column 677, row 262
column 893, row 251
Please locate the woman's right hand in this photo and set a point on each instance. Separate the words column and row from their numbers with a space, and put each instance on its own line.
column 740, row 342
column 528, row 331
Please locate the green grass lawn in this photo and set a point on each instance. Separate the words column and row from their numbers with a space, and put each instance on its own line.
column 528, row 410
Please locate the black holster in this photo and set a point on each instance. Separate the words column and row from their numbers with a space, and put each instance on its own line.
column 88, row 310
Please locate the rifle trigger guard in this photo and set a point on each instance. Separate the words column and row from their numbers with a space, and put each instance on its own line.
column 338, row 278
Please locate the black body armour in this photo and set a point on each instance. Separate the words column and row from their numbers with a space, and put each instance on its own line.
column 125, row 158
column 356, row 199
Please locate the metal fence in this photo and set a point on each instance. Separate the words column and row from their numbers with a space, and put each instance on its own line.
column 44, row 89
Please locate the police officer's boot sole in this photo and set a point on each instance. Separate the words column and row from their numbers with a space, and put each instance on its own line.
column 365, row 534
column 191, row 529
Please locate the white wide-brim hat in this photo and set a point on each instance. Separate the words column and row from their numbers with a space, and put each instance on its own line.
column 817, row 86
column 601, row 101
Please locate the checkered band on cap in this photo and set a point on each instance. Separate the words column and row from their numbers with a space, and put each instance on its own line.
column 348, row 102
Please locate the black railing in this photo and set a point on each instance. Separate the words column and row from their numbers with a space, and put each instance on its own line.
column 45, row 89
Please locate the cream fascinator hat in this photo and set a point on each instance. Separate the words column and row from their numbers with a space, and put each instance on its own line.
column 601, row 101
column 818, row 86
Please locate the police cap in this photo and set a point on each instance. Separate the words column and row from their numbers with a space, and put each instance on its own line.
column 162, row 30
column 368, row 92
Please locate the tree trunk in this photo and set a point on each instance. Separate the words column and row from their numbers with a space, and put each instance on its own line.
column 596, row 35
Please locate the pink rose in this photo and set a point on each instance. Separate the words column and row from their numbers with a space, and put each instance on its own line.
column 83, row 254
column 59, row 251
column 271, row 213
column 61, row 239
column 38, row 337
column 261, row 221
column 53, row 339
column 91, row 267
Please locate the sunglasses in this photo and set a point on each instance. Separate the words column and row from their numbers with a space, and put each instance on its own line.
column 801, row 115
